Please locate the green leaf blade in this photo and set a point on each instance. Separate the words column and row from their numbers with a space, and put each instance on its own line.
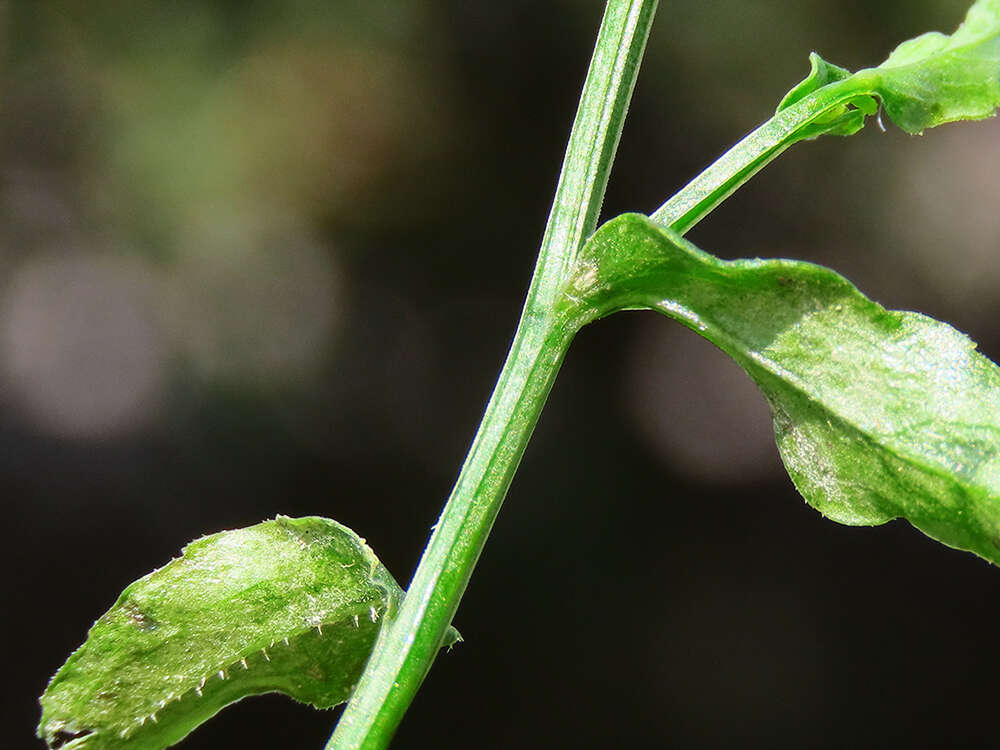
column 934, row 79
column 878, row 414
column 925, row 82
column 289, row 605
column 821, row 73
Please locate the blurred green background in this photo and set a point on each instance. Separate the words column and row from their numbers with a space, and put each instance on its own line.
column 266, row 256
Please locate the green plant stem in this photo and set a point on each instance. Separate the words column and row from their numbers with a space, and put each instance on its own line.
column 407, row 647
column 758, row 149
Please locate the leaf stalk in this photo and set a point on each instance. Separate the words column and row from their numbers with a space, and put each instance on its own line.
column 755, row 151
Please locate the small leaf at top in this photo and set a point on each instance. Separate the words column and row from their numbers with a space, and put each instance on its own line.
column 927, row 81
column 844, row 118
column 934, row 79
column 821, row 73
column 291, row 605
column 877, row 414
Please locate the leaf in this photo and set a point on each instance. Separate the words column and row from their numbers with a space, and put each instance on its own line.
column 934, row 79
column 927, row 81
column 291, row 605
column 821, row 73
column 877, row 414
column 842, row 118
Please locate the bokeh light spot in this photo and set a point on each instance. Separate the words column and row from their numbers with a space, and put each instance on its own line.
column 697, row 409
column 253, row 303
column 81, row 350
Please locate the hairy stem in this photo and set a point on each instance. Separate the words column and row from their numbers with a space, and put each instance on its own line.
column 407, row 647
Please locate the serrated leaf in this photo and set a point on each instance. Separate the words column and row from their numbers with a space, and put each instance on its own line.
column 877, row 414
column 291, row 605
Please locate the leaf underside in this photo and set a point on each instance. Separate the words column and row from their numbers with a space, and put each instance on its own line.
column 877, row 414
column 925, row 82
column 289, row 605
column 934, row 79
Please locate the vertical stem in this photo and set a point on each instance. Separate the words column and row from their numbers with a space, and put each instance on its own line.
column 407, row 646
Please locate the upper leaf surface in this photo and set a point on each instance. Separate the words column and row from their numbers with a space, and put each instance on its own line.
column 289, row 605
column 877, row 414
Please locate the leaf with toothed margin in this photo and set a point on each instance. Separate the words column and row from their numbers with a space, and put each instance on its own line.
column 878, row 414
column 291, row 605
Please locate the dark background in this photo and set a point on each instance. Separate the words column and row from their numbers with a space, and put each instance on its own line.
column 266, row 257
